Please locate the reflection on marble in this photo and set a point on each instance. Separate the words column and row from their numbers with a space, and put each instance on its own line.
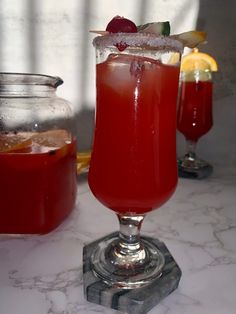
column 43, row 274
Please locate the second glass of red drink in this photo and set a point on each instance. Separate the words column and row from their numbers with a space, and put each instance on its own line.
column 194, row 114
column 194, row 119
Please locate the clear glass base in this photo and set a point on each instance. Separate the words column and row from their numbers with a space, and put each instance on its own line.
column 194, row 168
column 128, row 269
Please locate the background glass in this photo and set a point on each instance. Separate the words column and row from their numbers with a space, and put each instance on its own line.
column 194, row 119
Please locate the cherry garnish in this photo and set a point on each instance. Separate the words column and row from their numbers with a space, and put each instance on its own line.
column 121, row 25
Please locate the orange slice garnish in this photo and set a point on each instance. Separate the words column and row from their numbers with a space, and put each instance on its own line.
column 198, row 61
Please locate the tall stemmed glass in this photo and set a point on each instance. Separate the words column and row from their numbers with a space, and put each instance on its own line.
column 194, row 119
column 133, row 166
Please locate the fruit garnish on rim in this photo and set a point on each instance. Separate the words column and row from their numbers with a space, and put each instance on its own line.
column 118, row 24
column 157, row 28
column 191, row 39
column 198, row 61
column 121, row 25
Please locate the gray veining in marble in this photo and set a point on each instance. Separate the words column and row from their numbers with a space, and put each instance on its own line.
column 198, row 225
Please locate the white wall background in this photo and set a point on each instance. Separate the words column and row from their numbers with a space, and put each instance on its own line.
column 52, row 37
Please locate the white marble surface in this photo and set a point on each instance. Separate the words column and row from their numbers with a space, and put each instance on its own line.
column 43, row 274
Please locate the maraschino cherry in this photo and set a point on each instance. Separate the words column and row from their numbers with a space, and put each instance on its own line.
column 121, row 25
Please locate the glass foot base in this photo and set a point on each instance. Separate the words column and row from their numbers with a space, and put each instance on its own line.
column 132, row 300
column 197, row 169
column 127, row 272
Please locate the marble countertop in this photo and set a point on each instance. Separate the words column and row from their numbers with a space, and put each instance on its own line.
column 43, row 274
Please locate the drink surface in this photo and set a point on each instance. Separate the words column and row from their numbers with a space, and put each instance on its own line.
column 38, row 181
column 133, row 165
column 194, row 117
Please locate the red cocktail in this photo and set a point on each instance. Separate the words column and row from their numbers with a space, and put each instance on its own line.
column 133, row 166
column 195, row 109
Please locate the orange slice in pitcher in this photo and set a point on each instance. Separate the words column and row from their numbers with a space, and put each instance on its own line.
column 23, row 141
column 54, row 142
column 10, row 142
column 53, row 138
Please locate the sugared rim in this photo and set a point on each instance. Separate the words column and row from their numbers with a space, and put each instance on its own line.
column 140, row 40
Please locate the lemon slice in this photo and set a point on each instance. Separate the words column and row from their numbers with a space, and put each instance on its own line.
column 191, row 39
column 198, row 61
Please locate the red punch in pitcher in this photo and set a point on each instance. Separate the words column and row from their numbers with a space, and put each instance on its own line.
column 37, row 154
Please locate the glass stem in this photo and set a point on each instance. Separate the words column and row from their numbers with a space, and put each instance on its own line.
column 130, row 233
column 190, row 150
column 129, row 250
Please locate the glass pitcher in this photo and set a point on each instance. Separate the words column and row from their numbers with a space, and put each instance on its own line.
column 37, row 154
